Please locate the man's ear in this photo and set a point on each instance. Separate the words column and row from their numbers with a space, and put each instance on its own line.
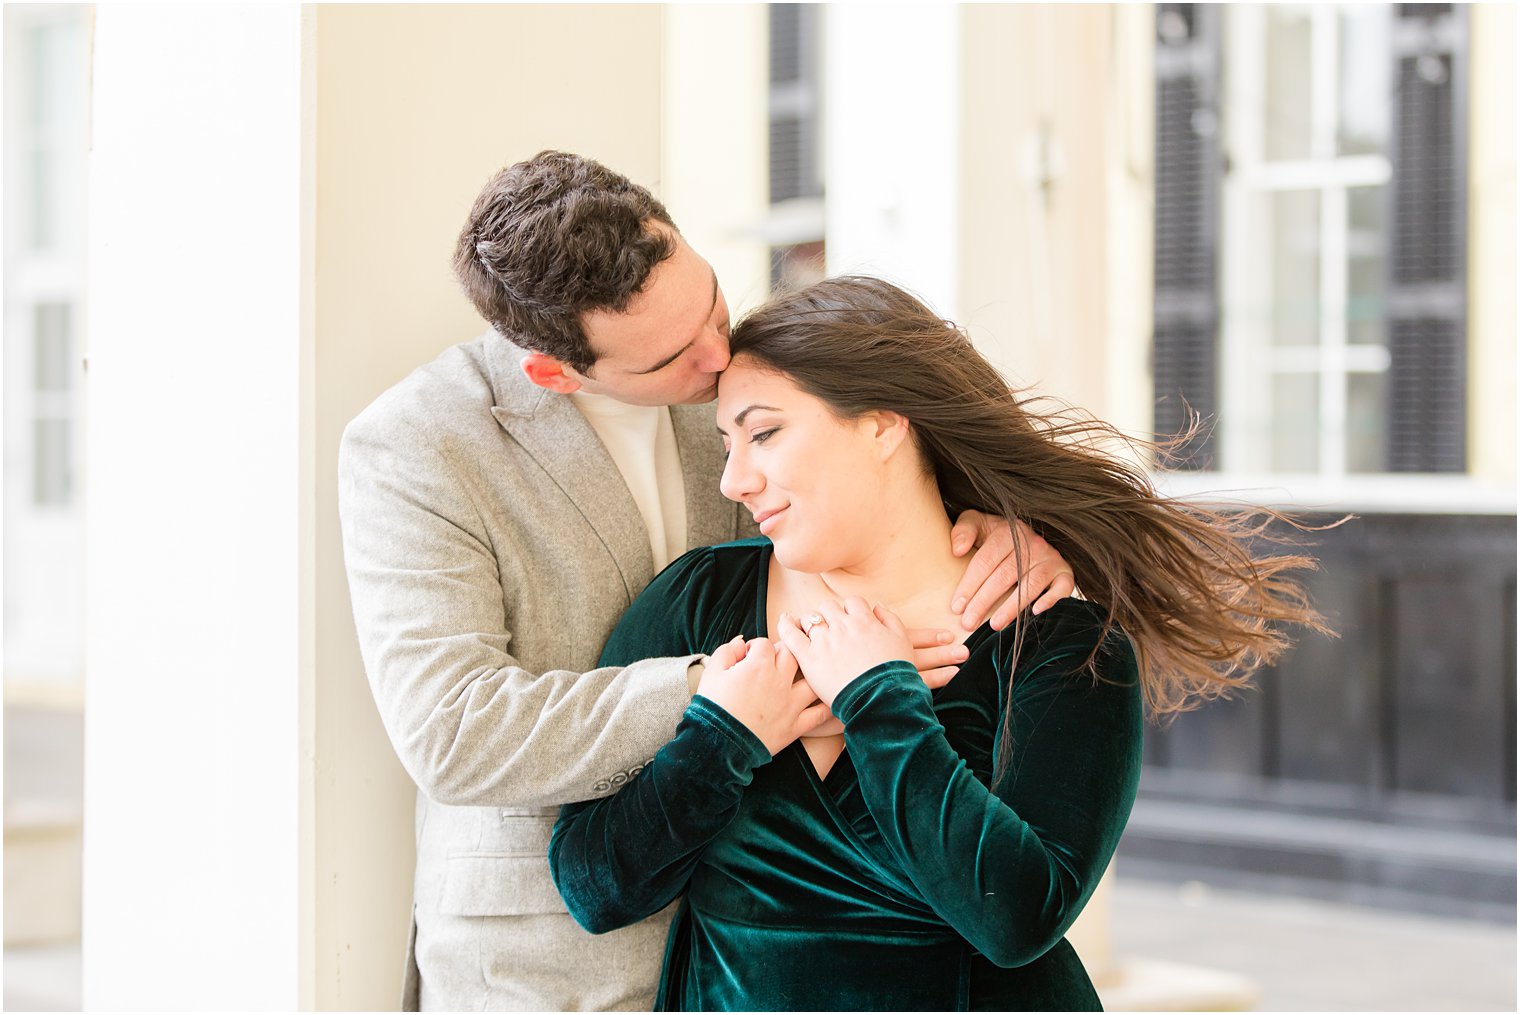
column 548, row 372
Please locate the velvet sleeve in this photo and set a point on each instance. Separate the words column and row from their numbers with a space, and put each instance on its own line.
column 1009, row 867
column 624, row 857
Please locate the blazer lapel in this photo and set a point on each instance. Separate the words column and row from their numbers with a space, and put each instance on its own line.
column 710, row 517
column 551, row 429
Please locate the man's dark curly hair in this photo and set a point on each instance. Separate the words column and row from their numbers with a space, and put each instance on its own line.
column 552, row 238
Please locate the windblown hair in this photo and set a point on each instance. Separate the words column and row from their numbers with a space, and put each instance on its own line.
column 1202, row 605
column 552, row 238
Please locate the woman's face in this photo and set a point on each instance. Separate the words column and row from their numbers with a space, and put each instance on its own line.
column 812, row 481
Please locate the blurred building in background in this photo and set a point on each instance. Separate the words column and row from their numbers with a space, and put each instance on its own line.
column 1327, row 257
column 1296, row 220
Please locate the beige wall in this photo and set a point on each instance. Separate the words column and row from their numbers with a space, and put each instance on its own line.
column 1491, row 244
column 714, row 172
column 416, row 107
column 1035, row 276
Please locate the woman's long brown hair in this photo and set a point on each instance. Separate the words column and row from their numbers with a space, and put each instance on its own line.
column 1202, row 604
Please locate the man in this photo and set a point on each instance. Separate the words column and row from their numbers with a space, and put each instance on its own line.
column 501, row 507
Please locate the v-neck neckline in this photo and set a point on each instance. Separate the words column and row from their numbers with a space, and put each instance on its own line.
column 828, row 787
column 762, row 624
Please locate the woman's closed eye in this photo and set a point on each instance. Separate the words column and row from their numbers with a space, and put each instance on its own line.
column 761, row 436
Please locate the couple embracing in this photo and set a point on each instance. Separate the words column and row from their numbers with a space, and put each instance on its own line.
column 718, row 691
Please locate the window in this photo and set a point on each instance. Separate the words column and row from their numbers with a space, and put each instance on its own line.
column 795, row 225
column 1309, row 277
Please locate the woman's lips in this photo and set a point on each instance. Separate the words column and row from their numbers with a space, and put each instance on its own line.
column 768, row 520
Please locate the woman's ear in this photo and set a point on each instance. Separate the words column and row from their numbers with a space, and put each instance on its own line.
column 548, row 372
column 889, row 430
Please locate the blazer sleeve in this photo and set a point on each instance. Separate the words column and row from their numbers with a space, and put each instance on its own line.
column 622, row 858
column 1011, row 866
column 469, row 723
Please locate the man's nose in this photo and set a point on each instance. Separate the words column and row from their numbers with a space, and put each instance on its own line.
column 715, row 353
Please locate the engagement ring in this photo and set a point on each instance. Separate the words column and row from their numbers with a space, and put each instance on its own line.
column 811, row 621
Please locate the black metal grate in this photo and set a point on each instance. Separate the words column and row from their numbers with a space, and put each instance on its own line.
column 1427, row 380
column 1425, row 188
column 1185, row 340
column 1427, row 319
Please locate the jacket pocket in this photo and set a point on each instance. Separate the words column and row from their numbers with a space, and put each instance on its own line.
column 498, row 884
column 507, row 871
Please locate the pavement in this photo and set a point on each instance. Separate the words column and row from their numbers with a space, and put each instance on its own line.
column 1293, row 954
column 1300, row 954
column 1313, row 955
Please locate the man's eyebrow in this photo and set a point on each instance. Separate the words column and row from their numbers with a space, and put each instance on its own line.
column 677, row 354
column 739, row 419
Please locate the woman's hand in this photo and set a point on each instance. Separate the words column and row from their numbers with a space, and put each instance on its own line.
column 851, row 638
column 994, row 571
column 756, row 683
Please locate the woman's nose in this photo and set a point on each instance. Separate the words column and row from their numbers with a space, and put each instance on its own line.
column 739, row 480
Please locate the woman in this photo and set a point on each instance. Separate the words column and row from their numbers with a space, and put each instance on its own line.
column 933, row 852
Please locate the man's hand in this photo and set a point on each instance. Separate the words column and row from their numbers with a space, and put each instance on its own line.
column 755, row 682
column 993, row 572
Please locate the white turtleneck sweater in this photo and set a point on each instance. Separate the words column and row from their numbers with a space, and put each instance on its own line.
column 642, row 443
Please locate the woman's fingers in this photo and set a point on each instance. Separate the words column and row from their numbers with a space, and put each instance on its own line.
column 937, row 678
column 813, row 717
column 791, row 636
column 728, row 655
column 891, row 621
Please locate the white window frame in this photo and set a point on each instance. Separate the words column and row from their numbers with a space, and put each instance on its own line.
column 1248, row 355
column 1245, row 349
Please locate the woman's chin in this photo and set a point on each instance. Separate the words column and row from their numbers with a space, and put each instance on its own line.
column 795, row 558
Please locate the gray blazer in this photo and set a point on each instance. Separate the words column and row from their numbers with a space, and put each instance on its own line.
column 491, row 546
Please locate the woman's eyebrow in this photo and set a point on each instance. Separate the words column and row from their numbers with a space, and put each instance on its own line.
column 739, row 419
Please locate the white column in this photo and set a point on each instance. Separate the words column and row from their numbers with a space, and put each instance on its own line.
column 891, row 114
column 196, row 557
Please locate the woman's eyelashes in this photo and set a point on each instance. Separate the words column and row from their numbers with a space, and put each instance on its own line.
column 758, row 437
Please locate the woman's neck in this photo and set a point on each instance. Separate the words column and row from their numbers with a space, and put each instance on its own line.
column 909, row 567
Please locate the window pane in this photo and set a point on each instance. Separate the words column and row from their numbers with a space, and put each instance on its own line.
column 1289, row 92
column 1365, row 245
column 1366, row 80
column 1295, row 267
column 51, row 359
column 1366, row 412
column 1295, row 422
column 52, row 464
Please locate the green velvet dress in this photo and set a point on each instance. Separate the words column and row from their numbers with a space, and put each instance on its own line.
column 909, row 878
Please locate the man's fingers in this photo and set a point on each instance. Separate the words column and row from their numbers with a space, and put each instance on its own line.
column 1003, row 577
column 968, row 528
column 1063, row 585
column 988, row 558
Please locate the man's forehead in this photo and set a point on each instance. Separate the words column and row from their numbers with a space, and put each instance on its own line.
column 662, row 321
